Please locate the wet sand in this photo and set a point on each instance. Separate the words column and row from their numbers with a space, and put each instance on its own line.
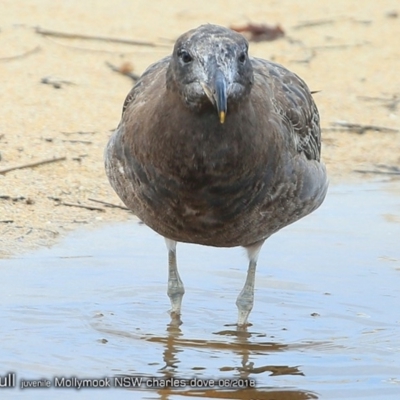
column 347, row 52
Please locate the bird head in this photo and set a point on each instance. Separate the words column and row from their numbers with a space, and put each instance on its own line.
column 210, row 66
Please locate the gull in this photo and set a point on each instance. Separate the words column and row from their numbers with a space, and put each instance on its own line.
column 218, row 148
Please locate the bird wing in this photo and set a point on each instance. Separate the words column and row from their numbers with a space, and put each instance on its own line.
column 292, row 100
column 142, row 87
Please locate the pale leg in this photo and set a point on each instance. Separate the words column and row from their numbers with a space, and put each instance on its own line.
column 175, row 286
column 245, row 299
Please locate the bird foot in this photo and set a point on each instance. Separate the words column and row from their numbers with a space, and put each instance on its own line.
column 175, row 318
column 244, row 304
column 243, row 315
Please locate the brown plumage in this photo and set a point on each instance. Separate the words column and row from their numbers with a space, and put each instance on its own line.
column 217, row 148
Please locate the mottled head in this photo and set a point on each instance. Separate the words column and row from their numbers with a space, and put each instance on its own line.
column 211, row 64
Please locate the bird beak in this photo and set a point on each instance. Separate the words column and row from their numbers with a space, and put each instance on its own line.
column 221, row 100
column 216, row 93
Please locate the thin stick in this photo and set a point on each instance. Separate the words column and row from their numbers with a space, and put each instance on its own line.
column 359, row 128
column 77, row 141
column 47, row 32
column 109, row 204
column 306, row 24
column 131, row 75
column 102, row 50
column 56, row 83
column 366, row 171
column 34, row 164
column 79, row 133
column 369, row 98
column 26, row 54
column 91, row 208
column 388, row 167
column 339, row 46
column 390, row 103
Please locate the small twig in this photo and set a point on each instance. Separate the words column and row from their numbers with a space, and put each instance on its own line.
column 79, row 133
column 124, row 72
column 369, row 98
column 361, row 21
column 56, row 83
column 23, row 55
column 79, row 157
column 339, row 46
column 358, row 128
column 381, row 169
column 77, row 141
column 389, row 167
column 28, row 200
column 389, row 103
column 47, row 32
column 58, row 199
column 112, row 50
column 7, row 221
column 34, row 164
column 307, row 24
column 109, row 204
column 376, row 171
column 91, row 208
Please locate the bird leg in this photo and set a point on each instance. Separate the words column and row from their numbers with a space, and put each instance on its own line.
column 175, row 286
column 245, row 299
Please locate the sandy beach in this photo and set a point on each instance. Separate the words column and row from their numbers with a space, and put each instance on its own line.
column 61, row 100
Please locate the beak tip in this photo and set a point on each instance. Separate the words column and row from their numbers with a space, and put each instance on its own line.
column 222, row 115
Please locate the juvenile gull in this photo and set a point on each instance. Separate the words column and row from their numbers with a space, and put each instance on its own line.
column 217, row 148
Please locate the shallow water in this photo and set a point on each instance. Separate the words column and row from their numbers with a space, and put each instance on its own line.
column 326, row 318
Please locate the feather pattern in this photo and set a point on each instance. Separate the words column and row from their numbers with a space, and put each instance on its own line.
column 193, row 179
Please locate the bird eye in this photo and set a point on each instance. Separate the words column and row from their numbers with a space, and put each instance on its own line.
column 242, row 57
column 185, row 56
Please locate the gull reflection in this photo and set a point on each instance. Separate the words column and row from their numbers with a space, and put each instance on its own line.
column 246, row 346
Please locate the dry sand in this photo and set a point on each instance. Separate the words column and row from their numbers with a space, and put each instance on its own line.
column 351, row 52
